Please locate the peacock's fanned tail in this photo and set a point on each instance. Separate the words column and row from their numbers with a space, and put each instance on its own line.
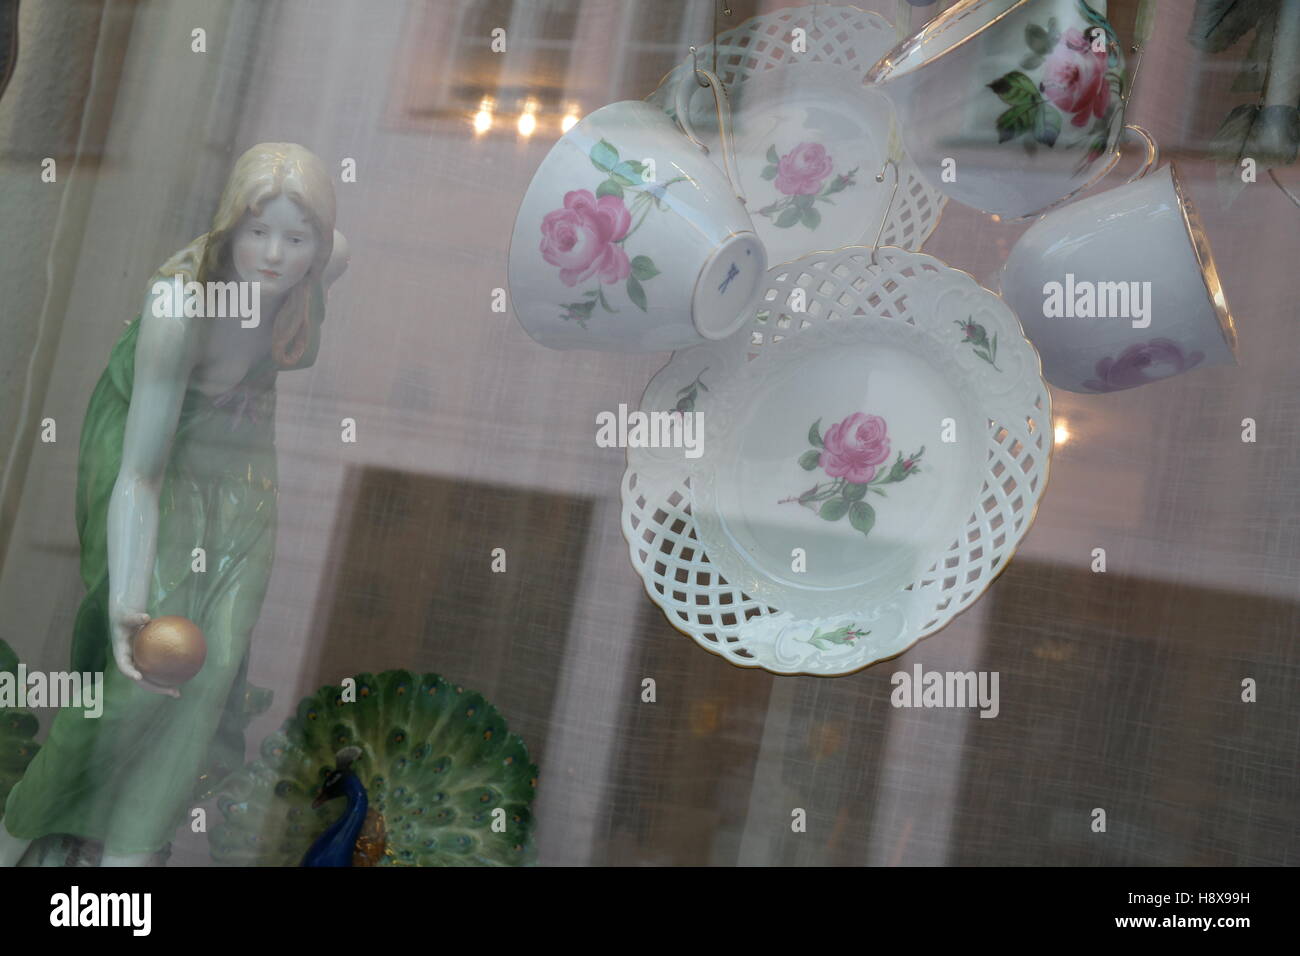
column 437, row 761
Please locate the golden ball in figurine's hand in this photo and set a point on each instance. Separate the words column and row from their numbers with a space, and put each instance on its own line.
column 169, row 650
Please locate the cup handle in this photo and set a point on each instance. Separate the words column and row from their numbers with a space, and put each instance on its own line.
column 1148, row 163
column 1152, row 156
column 684, row 90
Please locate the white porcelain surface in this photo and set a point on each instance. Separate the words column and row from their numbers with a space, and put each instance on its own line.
column 757, row 429
column 1004, row 105
column 809, row 138
column 1132, row 233
column 611, row 253
column 868, row 465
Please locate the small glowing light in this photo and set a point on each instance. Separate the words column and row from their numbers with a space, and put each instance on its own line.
column 483, row 118
column 569, row 121
column 1062, row 432
column 527, row 123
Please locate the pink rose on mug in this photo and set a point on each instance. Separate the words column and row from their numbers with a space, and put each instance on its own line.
column 1074, row 78
column 854, row 447
column 800, row 172
column 582, row 238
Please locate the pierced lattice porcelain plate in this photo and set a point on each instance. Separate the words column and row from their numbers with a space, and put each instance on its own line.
column 810, row 137
column 869, row 451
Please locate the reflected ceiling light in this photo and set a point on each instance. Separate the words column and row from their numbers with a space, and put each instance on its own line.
column 1062, row 431
column 528, row 119
column 483, row 118
column 570, row 118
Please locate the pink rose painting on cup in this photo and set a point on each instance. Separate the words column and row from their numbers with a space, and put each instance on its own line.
column 852, row 453
column 1080, row 84
column 803, row 178
column 582, row 238
column 585, row 238
column 1142, row 363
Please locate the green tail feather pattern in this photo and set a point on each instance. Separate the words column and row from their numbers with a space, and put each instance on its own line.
column 436, row 761
column 17, row 734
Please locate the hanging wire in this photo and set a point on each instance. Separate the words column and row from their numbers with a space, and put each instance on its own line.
column 880, row 178
column 695, row 68
column 714, row 41
column 1142, row 27
column 725, row 7
column 1286, row 192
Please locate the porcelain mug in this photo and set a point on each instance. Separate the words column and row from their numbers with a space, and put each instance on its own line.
column 1121, row 289
column 1009, row 106
column 631, row 239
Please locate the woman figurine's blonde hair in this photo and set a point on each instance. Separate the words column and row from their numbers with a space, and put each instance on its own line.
column 264, row 172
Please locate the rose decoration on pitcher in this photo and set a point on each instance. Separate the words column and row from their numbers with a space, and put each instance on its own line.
column 1081, row 81
column 851, row 453
column 586, row 237
column 800, row 176
column 1074, row 78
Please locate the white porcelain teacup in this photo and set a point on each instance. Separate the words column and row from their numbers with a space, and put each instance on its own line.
column 1120, row 289
column 631, row 239
column 1009, row 106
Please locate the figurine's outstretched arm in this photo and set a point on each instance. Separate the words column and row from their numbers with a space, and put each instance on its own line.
column 165, row 354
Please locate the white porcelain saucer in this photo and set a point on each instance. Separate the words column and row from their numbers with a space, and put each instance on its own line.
column 810, row 137
column 875, row 442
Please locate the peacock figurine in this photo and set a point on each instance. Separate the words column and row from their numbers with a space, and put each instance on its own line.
column 358, row 837
column 429, row 775
column 17, row 733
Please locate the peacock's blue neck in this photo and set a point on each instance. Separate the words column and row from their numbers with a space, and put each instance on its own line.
column 334, row 847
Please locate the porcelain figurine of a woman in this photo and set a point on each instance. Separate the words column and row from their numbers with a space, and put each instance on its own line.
column 177, row 453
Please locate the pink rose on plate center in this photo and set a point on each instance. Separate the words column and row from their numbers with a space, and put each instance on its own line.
column 582, row 238
column 800, row 172
column 854, row 447
column 1074, row 78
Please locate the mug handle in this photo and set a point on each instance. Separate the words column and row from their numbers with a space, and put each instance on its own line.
column 682, row 107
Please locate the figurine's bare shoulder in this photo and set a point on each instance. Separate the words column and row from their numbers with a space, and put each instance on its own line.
column 170, row 342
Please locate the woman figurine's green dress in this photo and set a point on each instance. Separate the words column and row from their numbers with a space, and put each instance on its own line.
column 219, row 495
column 130, row 777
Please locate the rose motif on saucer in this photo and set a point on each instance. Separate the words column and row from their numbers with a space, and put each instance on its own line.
column 978, row 338
column 841, row 636
column 801, row 176
column 851, row 453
